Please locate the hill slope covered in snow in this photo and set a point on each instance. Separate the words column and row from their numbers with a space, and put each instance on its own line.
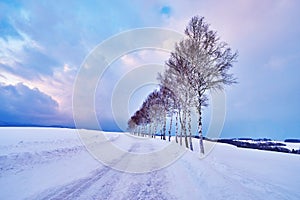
column 52, row 163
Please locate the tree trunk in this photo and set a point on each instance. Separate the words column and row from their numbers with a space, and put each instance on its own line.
column 145, row 130
column 200, row 130
column 161, row 128
column 190, row 129
column 181, row 128
column 155, row 128
column 176, row 127
column 185, row 134
column 164, row 128
column 170, row 128
column 142, row 130
column 150, row 130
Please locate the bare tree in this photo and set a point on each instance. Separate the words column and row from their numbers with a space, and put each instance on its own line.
column 176, row 78
column 209, row 60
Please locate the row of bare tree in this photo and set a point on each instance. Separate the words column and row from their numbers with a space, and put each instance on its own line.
column 199, row 63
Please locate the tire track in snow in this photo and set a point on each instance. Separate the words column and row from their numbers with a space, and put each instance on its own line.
column 77, row 188
column 149, row 186
column 74, row 189
column 106, row 183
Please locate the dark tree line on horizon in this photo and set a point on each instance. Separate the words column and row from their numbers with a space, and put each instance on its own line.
column 199, row 63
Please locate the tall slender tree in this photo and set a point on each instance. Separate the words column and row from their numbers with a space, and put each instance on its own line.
column 209, row 60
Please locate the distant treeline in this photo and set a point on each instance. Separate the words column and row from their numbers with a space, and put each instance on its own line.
column 261, row 144
column 292, row 140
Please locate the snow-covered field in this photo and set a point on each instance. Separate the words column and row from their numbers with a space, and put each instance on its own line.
column 52, row 163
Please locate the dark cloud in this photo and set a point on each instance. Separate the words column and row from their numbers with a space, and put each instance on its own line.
column 21, row 105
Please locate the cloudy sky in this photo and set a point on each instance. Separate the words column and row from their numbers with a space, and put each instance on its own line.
column 44, row 43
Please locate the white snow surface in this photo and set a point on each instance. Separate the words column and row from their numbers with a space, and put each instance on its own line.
column 52, row 163
column 292, row 146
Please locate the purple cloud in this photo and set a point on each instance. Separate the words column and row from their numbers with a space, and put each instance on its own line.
column 22, row 105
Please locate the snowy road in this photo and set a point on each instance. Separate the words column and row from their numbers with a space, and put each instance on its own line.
column 108, row 183
column 53, row 164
